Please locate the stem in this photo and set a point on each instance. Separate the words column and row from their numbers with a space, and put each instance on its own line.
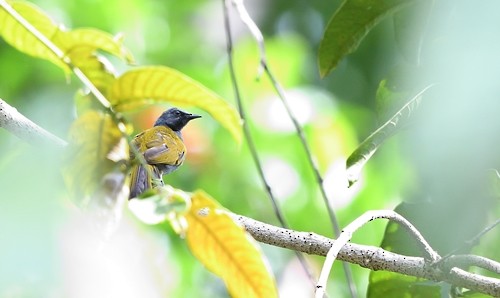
column 248, row 136
column 264, row 66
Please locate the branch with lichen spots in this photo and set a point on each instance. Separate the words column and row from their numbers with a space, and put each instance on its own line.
column 375, row 258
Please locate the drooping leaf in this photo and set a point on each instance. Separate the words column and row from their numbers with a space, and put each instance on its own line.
column 348, row 26
column 96, row 148
column 226, row 250
column 367, row 148
column 159, row 84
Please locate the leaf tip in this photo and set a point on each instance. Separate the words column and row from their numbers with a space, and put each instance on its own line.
column 325, row 67
column 323, row 73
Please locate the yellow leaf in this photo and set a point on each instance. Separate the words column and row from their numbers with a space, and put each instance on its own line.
column 226, row 249
column 20, row 38
column 96, row 147
column 96, row 68
column 158, row 84
column 92, row 40
column 79, row 45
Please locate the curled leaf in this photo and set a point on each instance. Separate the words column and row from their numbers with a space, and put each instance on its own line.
column 367, row 148
column 159, row 84
column 226, row 250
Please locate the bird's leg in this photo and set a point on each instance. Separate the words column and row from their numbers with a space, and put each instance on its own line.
column 157, row 179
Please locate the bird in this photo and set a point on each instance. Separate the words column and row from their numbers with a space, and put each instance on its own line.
column 163, row 150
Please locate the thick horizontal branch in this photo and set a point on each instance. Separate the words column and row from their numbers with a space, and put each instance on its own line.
column 370, row 257
column 25, row 129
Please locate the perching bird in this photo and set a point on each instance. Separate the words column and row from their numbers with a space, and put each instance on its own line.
column 163, row 149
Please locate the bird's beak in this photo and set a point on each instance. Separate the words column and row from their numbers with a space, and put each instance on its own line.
column 193, row 116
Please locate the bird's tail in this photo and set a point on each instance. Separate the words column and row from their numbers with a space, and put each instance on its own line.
column 142, row 178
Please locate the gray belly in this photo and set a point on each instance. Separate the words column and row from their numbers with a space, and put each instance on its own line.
column 166, row 169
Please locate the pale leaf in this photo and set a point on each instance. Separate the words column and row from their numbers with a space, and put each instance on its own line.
column 96, row 148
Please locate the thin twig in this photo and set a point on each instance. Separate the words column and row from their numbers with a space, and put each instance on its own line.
column 469, row 243
column 248, row 135
column 464, row 261
column 346, row 235
column 370, row 257
column 24, row 128
column 264, row 66
column 247, row 20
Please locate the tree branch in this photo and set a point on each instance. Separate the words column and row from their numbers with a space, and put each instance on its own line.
column 370, row 257
column 24, row 128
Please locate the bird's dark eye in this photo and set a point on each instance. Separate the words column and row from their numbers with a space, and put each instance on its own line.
column 177, row 113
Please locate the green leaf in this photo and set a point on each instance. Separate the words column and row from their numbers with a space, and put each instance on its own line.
column 394, row 91
column 96, row 148
column 367, row 148
column 348, row 26
column 159, row 84
column 394, row 285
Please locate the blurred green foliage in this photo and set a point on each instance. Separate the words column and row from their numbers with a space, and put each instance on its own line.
column 189, row 36
column 337, row 113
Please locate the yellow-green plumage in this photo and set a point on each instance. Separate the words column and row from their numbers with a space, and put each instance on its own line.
column 160, row 145
column 162, row 148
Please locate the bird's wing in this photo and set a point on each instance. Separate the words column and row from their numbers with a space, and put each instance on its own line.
column 163, row 146
column 143, row 178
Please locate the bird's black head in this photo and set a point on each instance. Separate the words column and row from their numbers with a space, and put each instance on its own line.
column 175, row 119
